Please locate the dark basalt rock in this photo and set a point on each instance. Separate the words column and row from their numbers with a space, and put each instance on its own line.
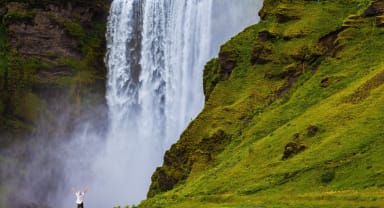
column 166, row 182
column 291, row 149
column 376, row 9
column 328, row 42
column 265, row 36
column 228, row 60
column 283, row 18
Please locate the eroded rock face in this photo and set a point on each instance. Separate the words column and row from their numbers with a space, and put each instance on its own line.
column 41, row 31
column 43, row 42
column 43, row 39
column 228, row 60
column 376, row 9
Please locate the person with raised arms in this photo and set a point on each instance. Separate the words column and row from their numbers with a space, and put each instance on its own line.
column 79, row 196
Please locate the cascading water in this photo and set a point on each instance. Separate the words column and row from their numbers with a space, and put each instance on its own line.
column 156, row 53
column 154, row 90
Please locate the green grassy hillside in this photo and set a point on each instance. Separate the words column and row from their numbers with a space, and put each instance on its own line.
column 293, row 117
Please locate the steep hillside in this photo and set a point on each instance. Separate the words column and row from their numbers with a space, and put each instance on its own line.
column 293, row 117
column 51, row 56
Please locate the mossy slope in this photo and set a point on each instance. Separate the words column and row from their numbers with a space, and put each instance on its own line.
column 293, row 116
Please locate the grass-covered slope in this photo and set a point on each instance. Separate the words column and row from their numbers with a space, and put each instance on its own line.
column 293, row 117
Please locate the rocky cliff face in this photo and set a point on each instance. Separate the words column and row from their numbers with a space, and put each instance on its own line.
column 51, row 56
column 52, row 76
column 283, row 122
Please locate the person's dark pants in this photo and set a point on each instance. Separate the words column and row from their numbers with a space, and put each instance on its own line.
column 80, row 205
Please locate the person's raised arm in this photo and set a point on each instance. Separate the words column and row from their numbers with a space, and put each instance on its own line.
column 85, row 189
column 74, row 189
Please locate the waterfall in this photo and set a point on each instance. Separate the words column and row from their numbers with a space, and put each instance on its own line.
column 156, row 51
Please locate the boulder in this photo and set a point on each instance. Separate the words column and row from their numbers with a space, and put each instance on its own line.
column 291, row 149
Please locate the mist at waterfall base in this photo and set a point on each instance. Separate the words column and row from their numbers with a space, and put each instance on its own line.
column 156, row 51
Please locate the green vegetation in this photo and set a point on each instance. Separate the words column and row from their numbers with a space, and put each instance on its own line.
column 18, row 77
column 293, row 116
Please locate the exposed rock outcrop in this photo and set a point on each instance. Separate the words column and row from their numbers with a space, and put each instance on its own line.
column 227, row 59
column 376, row 9
column 178, row 161
column 291, row 149
column 50, row 50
